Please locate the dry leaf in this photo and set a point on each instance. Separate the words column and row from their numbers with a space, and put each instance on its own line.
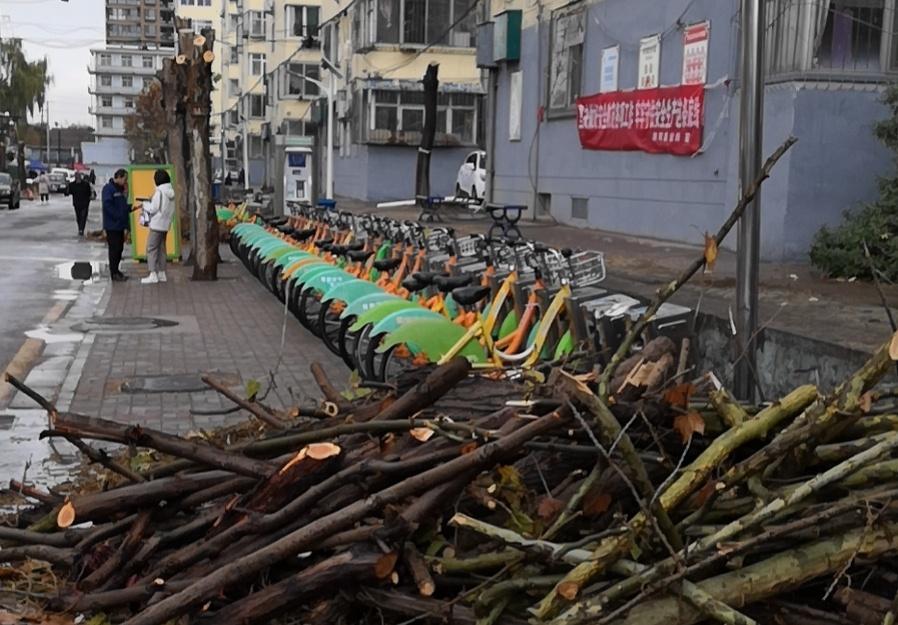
column 385, row 565
column 322, row 451
column 704, row 493
column 710, row 252
column 595, row 505
column 422, row 435
column 549, row 507
column 678, row 396
column 689, row 424
column 866, row 402
column 66, row 515
column 468, row 448
column 568, row 590
column 893, row 347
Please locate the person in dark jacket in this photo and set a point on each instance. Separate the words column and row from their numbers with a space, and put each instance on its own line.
column 80, row 191
column 116, row 212
column 92, row 178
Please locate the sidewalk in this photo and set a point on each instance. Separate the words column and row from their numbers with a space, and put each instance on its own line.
column 232, row 327
column 793, row 298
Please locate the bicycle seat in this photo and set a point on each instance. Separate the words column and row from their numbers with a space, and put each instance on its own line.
column 338, row 250
column 355, row 246
column 277, row 221
column 302, row 235
column 359, row 256
column 567, row 252
column 285, row 230
column 387, row 264
column 412, row 285
column 541, row 248
column 447, row 284
column 469, row 295
column 323, row 243
column 427, row 277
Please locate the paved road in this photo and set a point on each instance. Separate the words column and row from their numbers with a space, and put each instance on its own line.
column 34, row 241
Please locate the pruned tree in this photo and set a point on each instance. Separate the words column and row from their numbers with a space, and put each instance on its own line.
column 146, row 129
column 23, row 87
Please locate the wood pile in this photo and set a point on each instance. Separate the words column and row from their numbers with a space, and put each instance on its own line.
column 678, row 505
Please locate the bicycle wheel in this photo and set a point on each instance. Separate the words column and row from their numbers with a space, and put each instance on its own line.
column 308, row 308
column 395, row 362
column 345, row 341
column 359, row 352
column 328, row 327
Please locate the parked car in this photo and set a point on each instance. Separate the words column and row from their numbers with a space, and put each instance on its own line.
column 68, row 173
column 471, row 180
column 10, row 193
column 58, row 182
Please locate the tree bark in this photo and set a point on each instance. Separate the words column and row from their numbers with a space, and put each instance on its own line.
column 422, row 171
column 173, row 104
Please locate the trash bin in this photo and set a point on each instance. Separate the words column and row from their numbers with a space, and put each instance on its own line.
column 216, row 191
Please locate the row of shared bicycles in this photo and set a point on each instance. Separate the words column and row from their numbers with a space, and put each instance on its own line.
column 388, row 295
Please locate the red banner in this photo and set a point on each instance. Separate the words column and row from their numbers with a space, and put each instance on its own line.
column 667, row 120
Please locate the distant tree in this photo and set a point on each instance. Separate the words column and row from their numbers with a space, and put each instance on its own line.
column 145, row 129
column 23, row 87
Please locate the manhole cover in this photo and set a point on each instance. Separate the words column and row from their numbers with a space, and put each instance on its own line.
column 6, row 421
column 179, row 383
column 122, row 324
column 81, row 270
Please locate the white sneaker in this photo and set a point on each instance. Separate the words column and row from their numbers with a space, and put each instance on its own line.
column 160, row 276
column 150, row 279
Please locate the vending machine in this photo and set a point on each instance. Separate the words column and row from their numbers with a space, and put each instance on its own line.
column 298, row 174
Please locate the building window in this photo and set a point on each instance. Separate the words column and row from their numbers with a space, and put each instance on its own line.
column 149, row 30
column 105, row 80
column 295, row 86
column 256, row 63
column 230, row 150
column 255, row 146
column 234, row 117
column 127, row 81
column 256, row 24
column 126, row 60
column 199, row 3
column 149, row 15
column 302, row 20
column 147, row 81
column 200, row 25
column 298, row 128
column 845, row 37
column 416, row 22
column 106, row 121
column 129, row 103
column 106, row 102
column 566, row 69
column 147, row 62
column 105, row 59
column 257, row 106
column 398, row 117
column 233, row 87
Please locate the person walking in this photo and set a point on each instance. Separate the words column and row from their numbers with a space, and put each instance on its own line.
column 81, row 191
column 92, row 178
column 159, row 215
column 43, row 187
column 116, row 212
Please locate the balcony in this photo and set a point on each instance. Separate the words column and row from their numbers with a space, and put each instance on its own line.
column 133, row 70
column 117, row 111
column 123, row 3
column 109, row 132
column 135, row 89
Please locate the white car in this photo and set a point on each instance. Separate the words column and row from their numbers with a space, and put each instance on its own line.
column 471, row 180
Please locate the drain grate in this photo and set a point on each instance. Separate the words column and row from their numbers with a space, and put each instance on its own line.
column 178, row 383
column 122, row 324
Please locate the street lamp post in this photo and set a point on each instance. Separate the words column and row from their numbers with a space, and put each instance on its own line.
column 58, row 145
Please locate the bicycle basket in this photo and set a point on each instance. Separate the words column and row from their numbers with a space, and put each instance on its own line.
column 468, row 246
column 587, row 268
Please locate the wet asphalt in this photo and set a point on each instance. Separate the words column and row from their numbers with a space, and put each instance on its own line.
column 34, row 240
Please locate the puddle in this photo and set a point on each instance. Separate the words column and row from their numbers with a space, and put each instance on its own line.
column 180, row 383
column 86, row 271
column 122, row 324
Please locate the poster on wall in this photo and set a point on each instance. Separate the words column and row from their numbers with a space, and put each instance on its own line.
column 514, row 106
column 695, row 53
column 610, row 63
column 649, row 62
column 665, row 120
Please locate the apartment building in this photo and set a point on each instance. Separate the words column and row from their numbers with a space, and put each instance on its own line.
column 140, row 23
column 592, row 125
column 139, row 34
column 381, row 49
column 270, row 49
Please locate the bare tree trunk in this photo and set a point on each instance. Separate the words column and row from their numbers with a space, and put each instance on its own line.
column 174, row 123
column 198, row 55
column 422, row 173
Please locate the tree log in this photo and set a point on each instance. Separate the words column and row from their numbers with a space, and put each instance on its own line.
column 139, row 529
column 426, row 609
column 423, row 395
column 418, row 568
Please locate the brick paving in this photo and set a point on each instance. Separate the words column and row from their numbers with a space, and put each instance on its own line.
column 232, row 326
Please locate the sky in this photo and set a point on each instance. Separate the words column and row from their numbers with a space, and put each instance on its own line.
column 64, row 32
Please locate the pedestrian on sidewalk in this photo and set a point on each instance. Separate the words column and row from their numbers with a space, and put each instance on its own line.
column 116, row 212
column 159, row 213
column 43, row 187
column 80, row 191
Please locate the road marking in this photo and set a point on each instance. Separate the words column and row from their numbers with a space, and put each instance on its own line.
column 28, row 354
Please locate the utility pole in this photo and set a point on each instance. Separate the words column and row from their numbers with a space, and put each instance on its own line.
column 47, row 107
column 751, row 133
